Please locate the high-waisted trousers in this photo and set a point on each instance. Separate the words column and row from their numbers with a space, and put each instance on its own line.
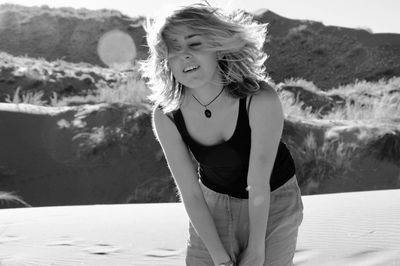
column 231, row 217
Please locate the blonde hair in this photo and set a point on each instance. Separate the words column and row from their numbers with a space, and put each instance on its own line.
column 236, row 38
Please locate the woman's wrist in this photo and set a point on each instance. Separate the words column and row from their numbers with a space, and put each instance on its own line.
column 221, row 261
column 219, row 255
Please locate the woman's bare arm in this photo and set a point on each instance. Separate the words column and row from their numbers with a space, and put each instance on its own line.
column 266, row 122
column 184, row 174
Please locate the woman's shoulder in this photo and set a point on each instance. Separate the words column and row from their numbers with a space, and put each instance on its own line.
column 265, row 109
column 162, row 119
column 265, row 100
column 257, row 89
column 161, row 111
column 265, row 93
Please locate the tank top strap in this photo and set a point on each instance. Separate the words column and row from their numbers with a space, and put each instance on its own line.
column 243, row 116
column 242, row 106
column 180, row 123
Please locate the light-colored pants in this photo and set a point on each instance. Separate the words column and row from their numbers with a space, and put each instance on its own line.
column 231, row 218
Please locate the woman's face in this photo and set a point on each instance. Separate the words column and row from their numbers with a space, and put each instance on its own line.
column 190, row 62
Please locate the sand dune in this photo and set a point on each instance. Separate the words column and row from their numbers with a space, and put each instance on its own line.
column 358, row 228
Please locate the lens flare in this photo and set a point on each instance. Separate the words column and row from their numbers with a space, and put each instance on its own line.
column 116, row 49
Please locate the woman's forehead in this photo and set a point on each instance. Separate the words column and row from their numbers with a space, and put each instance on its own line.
column 180, row 32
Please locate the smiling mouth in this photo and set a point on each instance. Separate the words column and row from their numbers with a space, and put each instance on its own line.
column 190, row 69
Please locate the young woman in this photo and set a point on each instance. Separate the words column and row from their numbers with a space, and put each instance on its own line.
column 212, row 103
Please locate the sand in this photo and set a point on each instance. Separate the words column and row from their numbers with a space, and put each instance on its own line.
column 357, row 228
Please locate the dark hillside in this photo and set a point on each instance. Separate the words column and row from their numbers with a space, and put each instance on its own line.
column 327, row 55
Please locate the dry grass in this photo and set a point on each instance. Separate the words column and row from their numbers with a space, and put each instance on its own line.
column 370, row 118
column 292, row 107
column 8, row 197
column 319, row 161
column 130, row 90
column 365, row 101
column 34, row 98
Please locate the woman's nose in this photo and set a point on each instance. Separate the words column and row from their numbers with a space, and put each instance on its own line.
column 186, row 54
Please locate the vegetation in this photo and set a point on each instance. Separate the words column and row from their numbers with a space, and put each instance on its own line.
column 370, row 114
column 8, row 197
column 34, row 98
column 131, row 91
column 317, row 162
column 364, row 103
column 123, row 135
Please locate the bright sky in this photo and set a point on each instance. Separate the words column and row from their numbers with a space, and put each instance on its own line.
column 377, row 15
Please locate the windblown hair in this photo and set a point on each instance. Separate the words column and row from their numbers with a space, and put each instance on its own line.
column 237, row 39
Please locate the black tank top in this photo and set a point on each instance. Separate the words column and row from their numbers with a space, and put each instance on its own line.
column 223, row 167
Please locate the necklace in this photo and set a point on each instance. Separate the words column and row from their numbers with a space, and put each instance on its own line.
column 207, row 112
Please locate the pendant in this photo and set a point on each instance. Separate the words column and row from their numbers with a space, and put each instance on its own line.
column 207, row 113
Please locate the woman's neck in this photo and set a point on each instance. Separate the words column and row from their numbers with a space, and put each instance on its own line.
column 205, row 97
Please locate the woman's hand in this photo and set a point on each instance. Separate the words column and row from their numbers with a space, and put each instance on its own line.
column 250, row 257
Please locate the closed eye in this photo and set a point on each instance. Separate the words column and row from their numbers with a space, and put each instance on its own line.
column 175, row 49
column 196, row 44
